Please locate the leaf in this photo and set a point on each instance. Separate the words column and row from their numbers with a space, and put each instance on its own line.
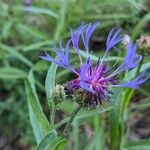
column 140, row 106
column 32, row 82
column 16, row 54
column 138, row 28
column 38, row 119
column 11, row 73
column 139, row 145
column 58, row 144
column 6, row 29
column 33, row 31
column 98, row 138
column 108, row 16
column 116, row 102
column 97, row 141
column 37, row 10
column 46, row 140
column 61, row 20
column 51, row 142
column 36, row 46
column 50, row 81
column 35, row 125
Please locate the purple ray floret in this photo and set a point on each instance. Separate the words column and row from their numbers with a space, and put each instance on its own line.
column 96, row 80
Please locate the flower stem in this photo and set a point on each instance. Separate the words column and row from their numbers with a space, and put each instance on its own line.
column 67, row 128
column 140, row 65
column 129, row 95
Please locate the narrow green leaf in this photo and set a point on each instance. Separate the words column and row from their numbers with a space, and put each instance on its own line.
column 109, row 16
column 98, row 138
column 16, row 54
column 61, row 20
column 50, row 81
column 135, row 4
column 139, row 145
column 32, row 82
column 35, row 125
column 140, row 25
column 35, row 109
column 140, row 106
column 116, row 102
column 47, row 140
column 36, row 46
column 33, row 31
column 6, row 29
column 11, row 73
column 51, row 142
column 37, row 10
column 58, row 144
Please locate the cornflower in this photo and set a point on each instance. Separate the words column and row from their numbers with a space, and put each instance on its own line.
column 96, row 80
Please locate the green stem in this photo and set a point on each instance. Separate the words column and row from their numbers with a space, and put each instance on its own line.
column 140, row 65
column 128, row 96
column 67, row 128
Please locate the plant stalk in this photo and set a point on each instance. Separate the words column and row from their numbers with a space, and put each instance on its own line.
column 68, row 126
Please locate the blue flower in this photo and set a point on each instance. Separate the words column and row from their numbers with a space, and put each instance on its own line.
column 96, row 79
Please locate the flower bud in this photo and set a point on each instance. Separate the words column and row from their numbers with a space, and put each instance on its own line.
column 144, row 44
column 126, row 39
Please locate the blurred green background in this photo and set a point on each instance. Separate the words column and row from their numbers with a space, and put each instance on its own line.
column 28, row 28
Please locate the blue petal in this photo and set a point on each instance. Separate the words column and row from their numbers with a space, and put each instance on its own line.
column 89, row 31
column 131, row 59
column 75, row 36
column 113, row 39
column 136, row 82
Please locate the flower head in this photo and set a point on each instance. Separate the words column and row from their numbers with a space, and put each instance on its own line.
column 96, row 80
